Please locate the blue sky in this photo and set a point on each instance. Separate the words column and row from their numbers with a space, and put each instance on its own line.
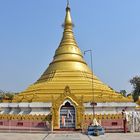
column 30, row 31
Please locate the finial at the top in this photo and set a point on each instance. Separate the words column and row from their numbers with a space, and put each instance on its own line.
column 68, row 20
column 68, row 3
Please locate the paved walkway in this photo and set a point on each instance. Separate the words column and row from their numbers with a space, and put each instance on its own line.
column 68, row 136
column 108, row 136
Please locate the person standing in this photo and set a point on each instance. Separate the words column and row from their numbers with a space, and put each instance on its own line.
column 124, row 116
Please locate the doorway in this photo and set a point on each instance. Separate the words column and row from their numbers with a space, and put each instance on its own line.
column 67, row 116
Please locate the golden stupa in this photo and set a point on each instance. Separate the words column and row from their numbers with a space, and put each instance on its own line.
column 68, row 77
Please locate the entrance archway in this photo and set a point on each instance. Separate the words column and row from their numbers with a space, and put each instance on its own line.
column 67, row 116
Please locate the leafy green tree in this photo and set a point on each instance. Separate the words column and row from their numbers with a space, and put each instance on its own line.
column 10, row 95
column 135, row 82
column 129, row 94
column 123, row 92
column 6, row 95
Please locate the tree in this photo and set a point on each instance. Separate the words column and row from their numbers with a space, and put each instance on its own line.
column 129, row 94
column 135, row 82
column 9, row 95
column 6, row 95
column 123, row 92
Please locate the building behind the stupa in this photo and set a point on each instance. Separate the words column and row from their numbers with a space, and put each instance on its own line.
column 65, row 92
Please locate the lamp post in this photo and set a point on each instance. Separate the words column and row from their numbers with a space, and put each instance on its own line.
column 92, row 103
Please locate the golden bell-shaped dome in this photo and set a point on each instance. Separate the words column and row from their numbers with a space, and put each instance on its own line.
column 68, row 55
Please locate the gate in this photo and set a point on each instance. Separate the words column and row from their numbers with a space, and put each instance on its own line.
column 67, row 116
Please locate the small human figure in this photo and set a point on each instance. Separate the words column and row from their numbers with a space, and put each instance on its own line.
column 124, row 116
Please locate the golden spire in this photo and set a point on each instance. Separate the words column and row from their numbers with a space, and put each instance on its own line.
column 68, row 20
column 68, row 36
column 68, row 56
